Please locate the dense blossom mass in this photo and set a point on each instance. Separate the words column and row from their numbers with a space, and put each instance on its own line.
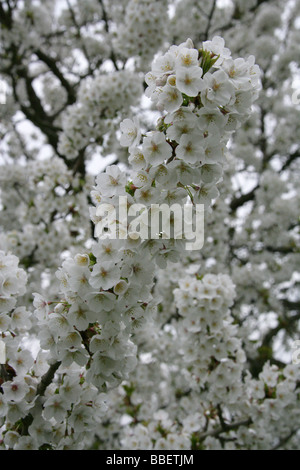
column 111, row 338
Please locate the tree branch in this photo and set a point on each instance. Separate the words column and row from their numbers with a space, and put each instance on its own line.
column 44, row 383
column 210, row 17
column 240, row 201
column 285, row 440
column 51, row 63
column 220, row 430
column 291, row 158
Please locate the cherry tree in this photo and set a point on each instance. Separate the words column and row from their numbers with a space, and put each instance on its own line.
column 109, row 338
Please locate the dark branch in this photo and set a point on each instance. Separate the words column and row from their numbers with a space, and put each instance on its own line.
column 51, row 63
column 45, row 382
column 240, row 201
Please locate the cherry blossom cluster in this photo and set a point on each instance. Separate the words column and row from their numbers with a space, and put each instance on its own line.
column 187, row 393
column 203, row 333
column 226, row 89
column 218, row 361
column 115, row 352
column 93, row 120
column 12, row 283
column 52, row 209
column 142, row 30
column 110, row 287
column 90, row 327
column 186, row 419
column 16, row 359
column 30, row 418
column 106, row 293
